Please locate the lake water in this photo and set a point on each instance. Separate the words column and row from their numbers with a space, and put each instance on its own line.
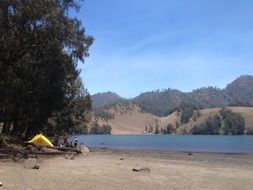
column 226, row 144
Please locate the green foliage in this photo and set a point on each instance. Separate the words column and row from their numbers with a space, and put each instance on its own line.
column 213, row 124
column 162, row 103
column 233, row 123
column 101, row 100
column 228, row 123
column 239, row 92
column 75, row 115
column 210, row 127
column 169, row 129
column 187, row 111
column 198, row 129
column 107, row 129
column 99, row 130
column 96, row 129
column 102, row 113
column 40, row 48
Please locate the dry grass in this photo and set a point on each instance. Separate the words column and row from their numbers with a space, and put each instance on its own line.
column 173, row 119
column 133, row 120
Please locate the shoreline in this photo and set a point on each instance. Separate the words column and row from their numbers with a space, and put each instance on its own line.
column 102, row 148
column 112, row 169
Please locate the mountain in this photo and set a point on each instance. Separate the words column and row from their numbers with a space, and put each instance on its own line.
column 162, row 103
column 101, row 100
column 182, row 111
column 240, row 91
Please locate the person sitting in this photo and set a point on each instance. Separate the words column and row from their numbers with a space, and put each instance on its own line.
column 65, row 142
column 70, row 144
column 75, row 142
column 56, row 140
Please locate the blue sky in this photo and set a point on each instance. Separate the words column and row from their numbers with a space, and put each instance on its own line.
column 143, row 45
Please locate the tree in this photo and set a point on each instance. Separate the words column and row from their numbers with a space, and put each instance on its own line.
column 187, row 111
column 40, row 47
column 169, row 129
column 107, row 129
column 73, row 117
column 96, row 129
column 198, row 129
column 233, row 123
column 212, row 125
column 99, row 130
column 156, row 130
column 150, row 128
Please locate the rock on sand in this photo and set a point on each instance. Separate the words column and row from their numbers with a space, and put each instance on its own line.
column 31, row 163
column 141, row 169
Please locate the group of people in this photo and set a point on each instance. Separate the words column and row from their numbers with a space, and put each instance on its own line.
column 64, row 142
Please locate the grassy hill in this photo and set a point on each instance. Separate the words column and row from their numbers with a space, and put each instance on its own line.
column 246, row 113
column 132, row 120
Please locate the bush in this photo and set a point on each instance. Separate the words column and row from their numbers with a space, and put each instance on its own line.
column 210, row 127
column 169, row 129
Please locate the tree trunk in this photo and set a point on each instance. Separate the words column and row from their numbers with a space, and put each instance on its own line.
column 6, row 128
column 18, row 128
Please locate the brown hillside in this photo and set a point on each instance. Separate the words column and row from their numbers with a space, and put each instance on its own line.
column 130, row 121
column 173, row 119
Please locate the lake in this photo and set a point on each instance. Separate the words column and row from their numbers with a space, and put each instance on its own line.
column 226, row 144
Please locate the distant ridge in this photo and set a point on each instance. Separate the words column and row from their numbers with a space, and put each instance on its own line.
column 162, row 103
column 100, row 100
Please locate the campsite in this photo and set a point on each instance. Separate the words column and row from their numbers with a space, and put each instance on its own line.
column 126, row 95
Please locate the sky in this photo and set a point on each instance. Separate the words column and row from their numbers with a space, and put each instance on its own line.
column 144, row 45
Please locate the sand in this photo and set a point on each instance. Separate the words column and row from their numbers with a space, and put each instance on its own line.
column 112, row 169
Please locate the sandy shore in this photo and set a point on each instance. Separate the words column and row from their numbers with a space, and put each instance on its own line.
column 112, row 170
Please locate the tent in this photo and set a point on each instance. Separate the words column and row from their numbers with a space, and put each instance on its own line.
column 41, row 140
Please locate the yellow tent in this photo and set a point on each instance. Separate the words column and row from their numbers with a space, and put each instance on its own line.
column 41, row 140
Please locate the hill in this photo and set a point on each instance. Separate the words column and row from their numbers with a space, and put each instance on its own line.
column 101, row 100
column 162, row 103
column 245, row 112
column 130, row 119
column 124, row 118
column 181, row 110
